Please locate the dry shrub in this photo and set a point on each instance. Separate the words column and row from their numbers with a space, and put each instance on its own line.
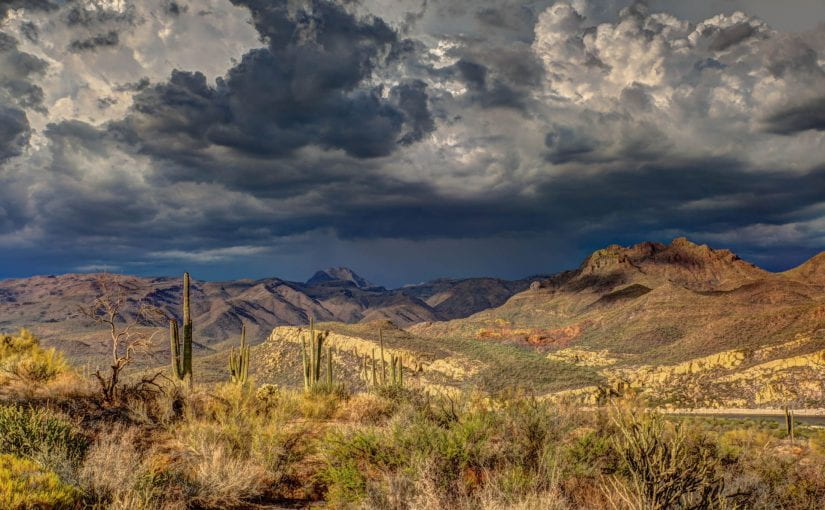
column 549, row 500
column 25, row 366
column 366, row 408
column 112, row 464
column 119, row 474
column 223, row 479
column 238, row 447
column 319, row 405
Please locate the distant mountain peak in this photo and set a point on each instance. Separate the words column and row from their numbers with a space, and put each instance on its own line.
column 682, row 261
column 339, row 274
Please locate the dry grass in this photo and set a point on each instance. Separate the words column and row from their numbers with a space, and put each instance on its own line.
column 226, row 445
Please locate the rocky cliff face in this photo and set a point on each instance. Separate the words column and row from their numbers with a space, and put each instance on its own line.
column 693, row 266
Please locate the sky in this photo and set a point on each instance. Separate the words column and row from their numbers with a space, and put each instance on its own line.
column 406, row 139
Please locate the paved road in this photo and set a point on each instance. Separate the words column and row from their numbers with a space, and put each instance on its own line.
column 778, row 418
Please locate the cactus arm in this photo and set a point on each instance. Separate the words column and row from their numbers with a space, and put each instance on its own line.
column 174, row 347
column 329, row 367
column 313, row 353
column 233, row 366
column 187, row 329
column 305, row 360
column 374, row 378
column 383, row 360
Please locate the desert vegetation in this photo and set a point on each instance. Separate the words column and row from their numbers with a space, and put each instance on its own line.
column 236, row 444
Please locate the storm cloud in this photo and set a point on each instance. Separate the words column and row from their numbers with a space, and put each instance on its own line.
column 319, row 126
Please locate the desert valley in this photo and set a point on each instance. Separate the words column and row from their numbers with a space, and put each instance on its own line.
column 412, row 255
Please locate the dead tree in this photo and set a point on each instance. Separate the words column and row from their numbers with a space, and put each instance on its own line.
column 126, row 338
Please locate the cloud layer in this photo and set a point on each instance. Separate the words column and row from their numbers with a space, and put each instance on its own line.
column 152, row 135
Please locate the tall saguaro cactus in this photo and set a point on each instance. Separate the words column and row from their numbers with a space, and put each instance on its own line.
column 789, row 423
column 312, row 353
column 182, row 348
column 239, row 361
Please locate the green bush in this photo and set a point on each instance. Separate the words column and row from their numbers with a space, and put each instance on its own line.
column 24, row 485
column 29, row 432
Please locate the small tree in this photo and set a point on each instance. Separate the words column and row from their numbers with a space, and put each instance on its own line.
column 125, row 336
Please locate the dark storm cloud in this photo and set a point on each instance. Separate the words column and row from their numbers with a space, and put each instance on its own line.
column 109, row 39
column 411, row 98
column 497, row 83
column 18, row 71
column 14, row 132
column 30, row 31
column 730, row 36
column 510, row 118
column 136, row 86
column 308, row 87
column 804, row 117
column 716, row 195
column 175, row 8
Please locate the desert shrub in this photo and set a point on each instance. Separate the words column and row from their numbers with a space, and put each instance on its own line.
column 453, row 455
column 21, row 343
column 588, row 454
column 111, row 465
column 268, row 394
column 350, row 455
column 666, row 467
column 27, row 432
column 22, row 358
column 320, row 404
column 787, row 476
column 366, row 408
column 38, row 366
column 236, row 447
column 25, row 485
column 118, row 474
column 224, row 479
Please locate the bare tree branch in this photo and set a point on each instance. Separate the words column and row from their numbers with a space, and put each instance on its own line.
column 126, row 339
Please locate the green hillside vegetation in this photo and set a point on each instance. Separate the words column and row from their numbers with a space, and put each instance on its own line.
column 162, row 445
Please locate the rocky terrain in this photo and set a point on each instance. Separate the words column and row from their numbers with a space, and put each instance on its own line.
column 682, row 323
column 48, row 305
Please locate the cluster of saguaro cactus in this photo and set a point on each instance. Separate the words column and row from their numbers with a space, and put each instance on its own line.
column 239, row 361
column 378, row 377
column 182, row 348
column 312, row 354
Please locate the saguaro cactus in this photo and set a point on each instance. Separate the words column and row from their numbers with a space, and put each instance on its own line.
column 312, row 353
column 789, row 423
column 239, row 361
column 181, row 349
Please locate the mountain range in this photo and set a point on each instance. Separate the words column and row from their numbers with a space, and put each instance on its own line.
column 657, row 301
column 683, row 323
column 49, row 304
